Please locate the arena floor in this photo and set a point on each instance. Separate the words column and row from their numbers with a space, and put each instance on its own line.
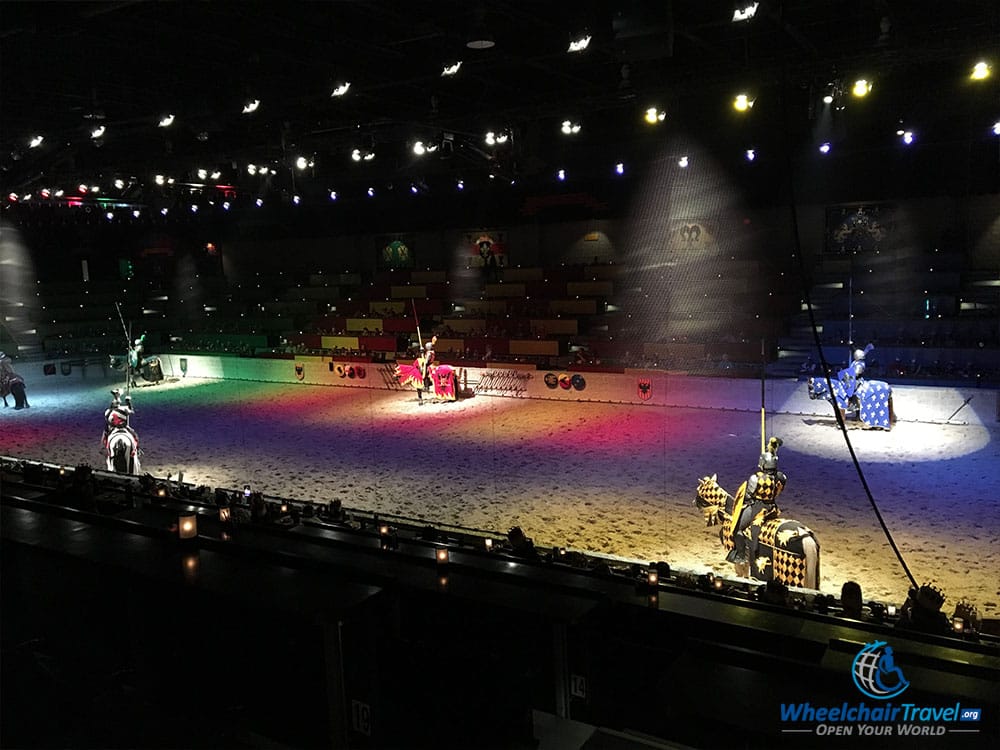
column 606, row 478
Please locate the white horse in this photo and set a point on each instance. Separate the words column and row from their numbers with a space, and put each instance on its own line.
column 123, row 452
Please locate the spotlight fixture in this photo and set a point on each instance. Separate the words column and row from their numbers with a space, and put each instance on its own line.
column 97, row 132
column 333, row 195
column 654, row 116
column 742, row 103
column 303, row 163
column 906, row 136
column 744, row 11
column 341, row 88
column 579, row 44
column 980, row 71
column 561, row 175
column 996, row 128
column 683, row 162
column 166, row 121
column 620, row 168
column 36, row 141
column 569, row 127
column 861, row 88
column 450, row 70
column 824, row 148
column 251, row 105
column 495, row 138
column 750, row 154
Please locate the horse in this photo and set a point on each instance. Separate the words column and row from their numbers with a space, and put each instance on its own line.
column 787, row 550
column 123, row 452
column 871, row 400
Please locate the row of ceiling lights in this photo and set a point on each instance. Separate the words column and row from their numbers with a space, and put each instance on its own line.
column 742, row 102
column 907, row 136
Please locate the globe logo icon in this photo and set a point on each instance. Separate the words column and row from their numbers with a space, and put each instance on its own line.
column 875, row 672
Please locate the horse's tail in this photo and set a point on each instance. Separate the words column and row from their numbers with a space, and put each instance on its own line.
column 810, row 551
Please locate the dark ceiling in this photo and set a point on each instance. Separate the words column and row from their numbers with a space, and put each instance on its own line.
column 68, row 67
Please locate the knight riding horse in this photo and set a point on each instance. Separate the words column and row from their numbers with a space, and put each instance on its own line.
column 759, row 542
column 120, row 441
column 871, row 400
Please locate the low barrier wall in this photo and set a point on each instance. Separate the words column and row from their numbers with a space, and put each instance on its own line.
column 651, row 387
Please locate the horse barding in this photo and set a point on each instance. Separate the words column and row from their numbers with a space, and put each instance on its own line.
column 785, row 550
column 871, row 400
column 123, row 452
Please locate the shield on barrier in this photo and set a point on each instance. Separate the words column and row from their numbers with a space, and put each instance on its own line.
column 360, row 370
column 49, row 369
column 645, row 389
column 184, row 365
column 551, row 380
column 66, row 367
column 579, row 382
column 564, row 381
column 300, row 371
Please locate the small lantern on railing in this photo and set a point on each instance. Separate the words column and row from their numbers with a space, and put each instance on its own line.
column 187, row 525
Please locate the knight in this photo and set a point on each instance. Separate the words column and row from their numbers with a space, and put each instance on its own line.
column 118, row 417
column 850, row 376
column 755, row 504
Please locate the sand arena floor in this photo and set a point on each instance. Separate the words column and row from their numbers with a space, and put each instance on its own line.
column 607, row 478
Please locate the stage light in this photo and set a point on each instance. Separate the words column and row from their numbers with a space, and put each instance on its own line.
column 36, row 141
column 225, row 205
column 164, row 211
column 580, row 44
column 166, row 121
column 824, row 148
column 450, row 70
column 619, row 168
column 460, row 185
column 97, row 132
column 654, row 116
column 371, row 192
column 302, row 162
column 980, row 71
column 569, row 127
column 216, row 175
column 683, row 162
column 251, row 106
column 750, row 154
column 742, row 103
column 160, row 179
column 296, row 199
column 744, row 11
column 119, row 184
column 906, row 136
column 259, row 202
column 187, row 525
column 333, row 195
column 341, row 89
column 996, row 128
column 861, row 88
column 109, row 215
column 561, row 175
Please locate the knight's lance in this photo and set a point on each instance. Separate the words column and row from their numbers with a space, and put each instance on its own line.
column 420, row 341
column 128, row 345
column 763, row 367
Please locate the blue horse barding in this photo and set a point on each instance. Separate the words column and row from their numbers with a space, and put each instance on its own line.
column 871, row 400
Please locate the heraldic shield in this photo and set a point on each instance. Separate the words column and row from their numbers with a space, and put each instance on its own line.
column 300, row 371
column 645, row 389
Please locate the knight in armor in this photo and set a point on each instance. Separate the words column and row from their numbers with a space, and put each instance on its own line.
column 850, row 376
column 427, row 368
column 135, row 356
column 117, row 417
column 755, row 503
